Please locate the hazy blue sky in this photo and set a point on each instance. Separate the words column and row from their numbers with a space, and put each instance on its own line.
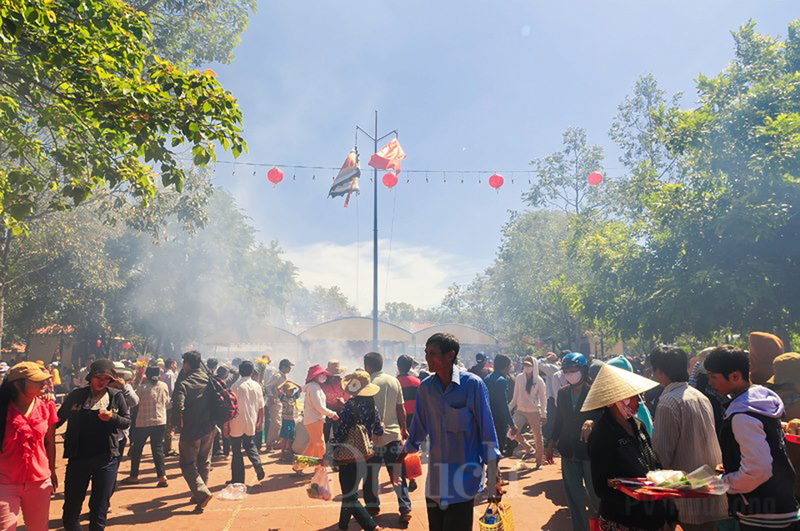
column 469, row 85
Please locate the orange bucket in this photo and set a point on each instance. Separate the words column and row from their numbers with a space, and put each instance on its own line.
column 413, row 466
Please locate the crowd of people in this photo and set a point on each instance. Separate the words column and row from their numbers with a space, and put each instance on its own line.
column 723, row 410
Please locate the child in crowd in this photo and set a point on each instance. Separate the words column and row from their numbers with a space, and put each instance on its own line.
column 289, row 392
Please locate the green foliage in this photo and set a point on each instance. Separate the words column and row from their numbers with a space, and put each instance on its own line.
column 562, row 176
column 713, row 246
column 529, row 291
column 85, row 105
column 310, row 307
column 196, row 32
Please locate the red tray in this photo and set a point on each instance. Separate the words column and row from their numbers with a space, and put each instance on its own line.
column 658, row 493
column 793, row 438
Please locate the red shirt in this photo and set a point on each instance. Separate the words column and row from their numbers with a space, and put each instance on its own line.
column 24, row 458
column 333, row 390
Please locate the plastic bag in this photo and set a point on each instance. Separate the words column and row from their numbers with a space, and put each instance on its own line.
column 320, row 487
column 233, row 492
column 413, row 466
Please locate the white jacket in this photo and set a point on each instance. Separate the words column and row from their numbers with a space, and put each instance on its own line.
column 314, row 409
column 533, row 402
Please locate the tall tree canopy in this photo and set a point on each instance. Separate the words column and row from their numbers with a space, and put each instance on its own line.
column 85, row 103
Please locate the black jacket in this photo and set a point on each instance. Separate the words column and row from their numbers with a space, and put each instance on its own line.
column 70, row 409
column 191, row 405
column 616, row 454
column 775, row 496
column 568, row 424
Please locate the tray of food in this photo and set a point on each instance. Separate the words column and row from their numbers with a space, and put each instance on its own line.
column 643, row 490
column 671, row 484
column 792, row 430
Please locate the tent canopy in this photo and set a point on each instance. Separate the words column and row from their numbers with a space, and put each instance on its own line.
column 355, row 329
column 466, row 335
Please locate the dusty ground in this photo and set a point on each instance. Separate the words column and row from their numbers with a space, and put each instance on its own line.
column 280, row 501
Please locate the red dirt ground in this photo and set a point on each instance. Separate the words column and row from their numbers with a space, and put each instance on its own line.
column 280, row 501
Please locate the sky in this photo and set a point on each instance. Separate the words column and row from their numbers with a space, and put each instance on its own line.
column 468, row 86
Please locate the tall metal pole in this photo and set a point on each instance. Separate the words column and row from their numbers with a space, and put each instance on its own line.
column 375, row 246
column 375, row 141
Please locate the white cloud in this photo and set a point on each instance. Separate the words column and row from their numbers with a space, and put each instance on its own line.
column 412, row 274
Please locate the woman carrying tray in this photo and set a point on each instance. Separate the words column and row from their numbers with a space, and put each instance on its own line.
column 619, row 447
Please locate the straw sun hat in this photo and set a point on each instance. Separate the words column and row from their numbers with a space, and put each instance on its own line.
column 613, row 385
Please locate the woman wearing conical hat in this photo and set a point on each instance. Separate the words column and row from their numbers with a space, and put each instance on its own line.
column 619, row 447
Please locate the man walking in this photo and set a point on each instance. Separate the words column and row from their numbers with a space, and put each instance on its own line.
column 191, row 410
column 498, row 384
column 453, row 410
column 169, row 376
column 684, row 437
column 480, row 369
column 757, row 469
column 243, row 426
column 388, row 447
column 271, row 387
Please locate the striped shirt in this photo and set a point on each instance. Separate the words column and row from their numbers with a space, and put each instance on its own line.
column 684, row 439
column 409, row 384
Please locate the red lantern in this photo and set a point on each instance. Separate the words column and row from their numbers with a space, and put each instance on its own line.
column 496, row 181
column 275, row 175
column 99, row 343
column 595, row 178
column 390, row 180
column 127, row 346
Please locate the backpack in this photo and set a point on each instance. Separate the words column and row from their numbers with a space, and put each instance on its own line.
column 223, row 403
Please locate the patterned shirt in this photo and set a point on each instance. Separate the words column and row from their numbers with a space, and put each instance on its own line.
column 358, row 409
column 153, row 400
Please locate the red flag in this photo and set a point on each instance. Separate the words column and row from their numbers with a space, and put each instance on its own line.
column 389, row 157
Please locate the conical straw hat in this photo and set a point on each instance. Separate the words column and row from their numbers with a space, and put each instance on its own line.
column 614, row 384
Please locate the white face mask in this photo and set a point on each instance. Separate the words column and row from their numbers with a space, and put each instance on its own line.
column 573, row 377
column 322, row 379
column 625, row 408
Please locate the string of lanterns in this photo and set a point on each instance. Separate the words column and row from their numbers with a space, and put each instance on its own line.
column 276, row 175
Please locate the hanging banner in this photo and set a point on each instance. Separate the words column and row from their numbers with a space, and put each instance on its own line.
column 389, row 157
column 346, row 181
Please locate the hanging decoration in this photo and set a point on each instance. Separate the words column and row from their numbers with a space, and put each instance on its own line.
column 346, row 181
column 595, row 178
column 275, row 175
column 390, row 180
column 127, row 346
column 389, row 157
column 99, row 343
column 496, row 181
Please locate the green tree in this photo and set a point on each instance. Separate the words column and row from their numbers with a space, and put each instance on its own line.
column 309, row 307
column 197, row 32
column 85, row 104
column 716, row 246
column 562, row 176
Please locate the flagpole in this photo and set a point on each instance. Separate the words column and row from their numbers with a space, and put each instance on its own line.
column 375, row 139
column 375, row 245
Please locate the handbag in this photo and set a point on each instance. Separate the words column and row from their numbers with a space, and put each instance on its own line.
column 356, row 446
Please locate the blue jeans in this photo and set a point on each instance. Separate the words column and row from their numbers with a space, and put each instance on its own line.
column 577, row 477
column 387, row 455
column 102, row 472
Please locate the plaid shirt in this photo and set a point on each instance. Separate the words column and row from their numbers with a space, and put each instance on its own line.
column 153, row 400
